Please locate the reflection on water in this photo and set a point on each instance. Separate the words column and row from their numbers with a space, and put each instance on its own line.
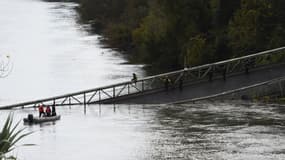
column 52, row 54
column 176, row 132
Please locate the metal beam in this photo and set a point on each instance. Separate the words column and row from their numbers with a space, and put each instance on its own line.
column 197, row 73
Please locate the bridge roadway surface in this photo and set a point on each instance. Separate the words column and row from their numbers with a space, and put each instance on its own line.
column 205, row 88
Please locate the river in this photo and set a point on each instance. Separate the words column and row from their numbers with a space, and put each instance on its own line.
column 206, row 131
column 53, row 55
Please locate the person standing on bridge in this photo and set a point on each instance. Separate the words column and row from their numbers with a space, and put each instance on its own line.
column 41, row 110
column 167, row 81
column 181, row 79
column 135, row 79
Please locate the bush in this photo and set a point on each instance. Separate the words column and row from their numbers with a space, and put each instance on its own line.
column 9, row 136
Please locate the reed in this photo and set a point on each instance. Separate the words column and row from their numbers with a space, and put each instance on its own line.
column 9, row 136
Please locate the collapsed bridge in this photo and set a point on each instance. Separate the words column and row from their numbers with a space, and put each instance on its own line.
column 186, row 85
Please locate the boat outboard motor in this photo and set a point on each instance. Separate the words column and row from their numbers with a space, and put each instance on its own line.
column 30, row 118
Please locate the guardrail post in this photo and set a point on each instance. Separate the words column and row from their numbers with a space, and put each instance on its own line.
column 114, row 92
column 84, row 96
column 142, row 85
column 99, row 95
column 128, row 88
column 195, row 73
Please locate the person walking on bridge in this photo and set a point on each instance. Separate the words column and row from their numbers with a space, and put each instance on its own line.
column 135, row 79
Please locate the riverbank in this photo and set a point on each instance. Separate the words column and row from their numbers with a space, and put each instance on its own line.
column 168, row 35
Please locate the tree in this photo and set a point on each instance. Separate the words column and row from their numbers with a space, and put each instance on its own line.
column 194, row 51
column 165, row 33
column 248, row 30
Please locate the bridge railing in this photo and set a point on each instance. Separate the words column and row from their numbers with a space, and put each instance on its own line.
column 158, row 82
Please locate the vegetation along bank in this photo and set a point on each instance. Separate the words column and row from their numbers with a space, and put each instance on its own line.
column 169, row 34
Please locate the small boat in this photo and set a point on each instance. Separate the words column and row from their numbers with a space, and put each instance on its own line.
column 32, row 119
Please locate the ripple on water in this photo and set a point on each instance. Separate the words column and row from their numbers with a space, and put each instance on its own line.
column 174, row 132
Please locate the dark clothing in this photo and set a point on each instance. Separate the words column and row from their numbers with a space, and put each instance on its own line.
column 41, row 113
column 167, row 81
column 250, row 63
column 134, row 78
column 181, row 83
column 53, row 112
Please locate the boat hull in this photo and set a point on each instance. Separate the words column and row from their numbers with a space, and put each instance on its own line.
column 42, row 119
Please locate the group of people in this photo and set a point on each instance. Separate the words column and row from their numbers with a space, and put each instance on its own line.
column 249, row 63
column 46, row 111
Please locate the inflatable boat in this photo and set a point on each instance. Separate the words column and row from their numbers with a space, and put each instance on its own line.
column 32, row 119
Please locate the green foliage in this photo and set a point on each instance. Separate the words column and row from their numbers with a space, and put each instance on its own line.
column 247, row 30
column 170, row 34
column 165, row 33
column 194, row 48
column 119, row 36
column 9, row 136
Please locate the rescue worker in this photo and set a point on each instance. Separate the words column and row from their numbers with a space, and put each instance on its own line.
column 53, row 112
column 41, row 110
column 48, row 111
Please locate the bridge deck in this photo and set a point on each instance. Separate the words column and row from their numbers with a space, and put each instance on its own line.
column 204, row 89
column 150, row 90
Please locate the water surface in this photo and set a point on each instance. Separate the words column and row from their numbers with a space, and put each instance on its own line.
column 52, row 54
column 174, row 132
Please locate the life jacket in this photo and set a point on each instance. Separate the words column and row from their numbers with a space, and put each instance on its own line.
column 48, row 110
column 41, row 108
